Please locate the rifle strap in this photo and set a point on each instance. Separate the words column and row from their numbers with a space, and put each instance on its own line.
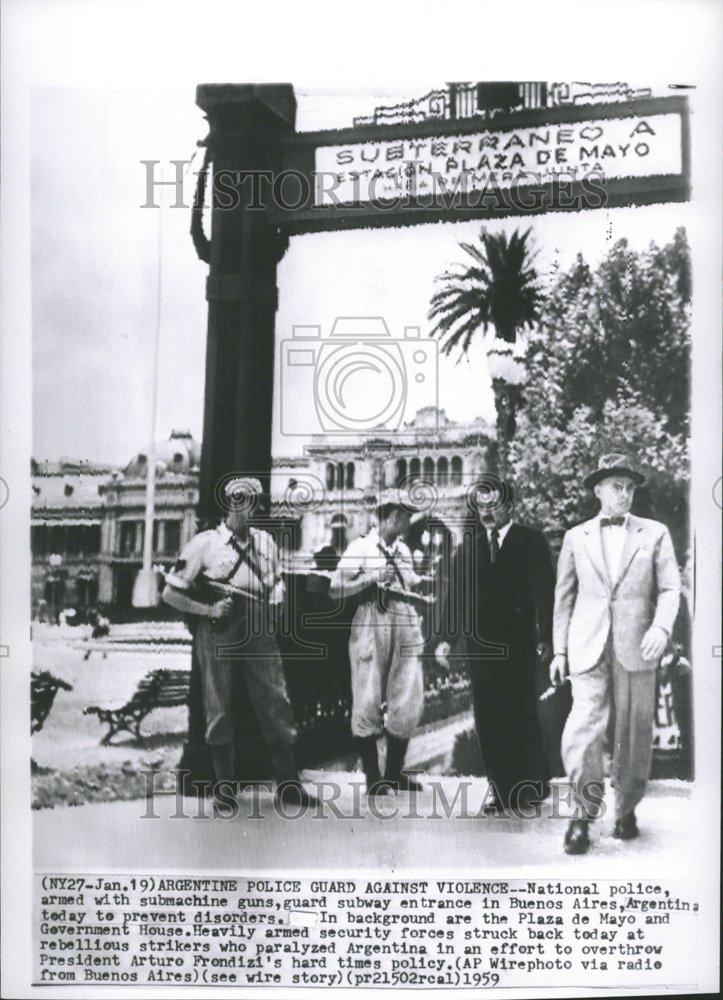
column 244, row 555
column 391, row 561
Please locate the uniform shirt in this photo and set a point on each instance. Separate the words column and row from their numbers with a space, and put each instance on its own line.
column 367, row 555
column 215, row 553
column 613, row 541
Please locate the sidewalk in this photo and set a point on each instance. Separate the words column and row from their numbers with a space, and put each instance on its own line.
column 114, row 836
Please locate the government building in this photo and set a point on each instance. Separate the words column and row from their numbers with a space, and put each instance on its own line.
column 327, row 497
column 88, row 520
column 87, row 523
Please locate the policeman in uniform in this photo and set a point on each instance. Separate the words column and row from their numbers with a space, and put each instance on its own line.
column 236, row 632
column 385, row 646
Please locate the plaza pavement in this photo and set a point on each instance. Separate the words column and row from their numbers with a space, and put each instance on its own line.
column 111, row 836
column 114, row 837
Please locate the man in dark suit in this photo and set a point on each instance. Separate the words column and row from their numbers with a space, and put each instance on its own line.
column 498, row 618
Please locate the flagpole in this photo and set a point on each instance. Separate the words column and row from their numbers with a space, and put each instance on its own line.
column 145, row 587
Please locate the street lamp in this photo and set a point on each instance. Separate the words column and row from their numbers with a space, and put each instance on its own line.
column 505, row 367
column 508, row 373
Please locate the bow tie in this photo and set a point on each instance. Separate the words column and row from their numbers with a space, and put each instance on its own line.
column 609, row 522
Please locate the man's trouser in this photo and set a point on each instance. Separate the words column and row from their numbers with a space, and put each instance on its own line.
column 504, row 702
column 258, row 659
column 385, row 650
column 630, row 696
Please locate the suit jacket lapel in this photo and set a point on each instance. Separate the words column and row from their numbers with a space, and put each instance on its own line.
column 483, row 547
column 593, row 541
column 508, row 542
column 633, row 532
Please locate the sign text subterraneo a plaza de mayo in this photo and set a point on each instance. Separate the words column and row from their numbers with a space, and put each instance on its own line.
column 534, row 161
column 618, row 147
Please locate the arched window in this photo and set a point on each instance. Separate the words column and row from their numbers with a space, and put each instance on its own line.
column 415, row 468
column 339, row 476
column 349, row 482
column 456, row 470
column 338, row 532
column 329, row 476
column 428, row 470
column 401, row 471
column 442, row 471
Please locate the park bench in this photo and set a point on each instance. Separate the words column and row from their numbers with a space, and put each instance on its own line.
column 131, row 637
column 43, row 688
column 158, row 689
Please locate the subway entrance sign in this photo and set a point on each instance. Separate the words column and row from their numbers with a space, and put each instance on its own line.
column 546, row 159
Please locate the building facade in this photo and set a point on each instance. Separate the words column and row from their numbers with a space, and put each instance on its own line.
column 68, row 505
column 88, row 521
column 327, row 497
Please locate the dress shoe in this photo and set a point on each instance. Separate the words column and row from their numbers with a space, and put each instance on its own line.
column 402, row 783
column 577, row 838
column 379, row 789
column 626, row 828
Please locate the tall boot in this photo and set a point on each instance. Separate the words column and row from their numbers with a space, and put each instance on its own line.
column 393, row 774
column 367, row 748
column 224, row 768
column 289, row 789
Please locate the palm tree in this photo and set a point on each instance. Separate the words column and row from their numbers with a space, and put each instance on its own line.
column 500, row 289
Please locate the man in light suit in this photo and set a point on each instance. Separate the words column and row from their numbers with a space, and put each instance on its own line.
column 616, row 601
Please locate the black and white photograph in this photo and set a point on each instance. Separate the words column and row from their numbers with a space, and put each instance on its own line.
column 361, row 500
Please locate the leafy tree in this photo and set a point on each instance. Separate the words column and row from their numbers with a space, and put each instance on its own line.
column 625, row 324
column 608, row 370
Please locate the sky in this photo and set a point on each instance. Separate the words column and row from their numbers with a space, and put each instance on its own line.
column 99, row 259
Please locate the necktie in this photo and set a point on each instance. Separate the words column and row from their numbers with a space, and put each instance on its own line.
column 494, row 544
column 609, row 522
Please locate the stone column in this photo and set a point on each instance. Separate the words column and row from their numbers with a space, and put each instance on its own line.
column 246, row 126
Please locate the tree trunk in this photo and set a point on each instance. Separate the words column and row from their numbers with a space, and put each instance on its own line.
column 502, row 406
